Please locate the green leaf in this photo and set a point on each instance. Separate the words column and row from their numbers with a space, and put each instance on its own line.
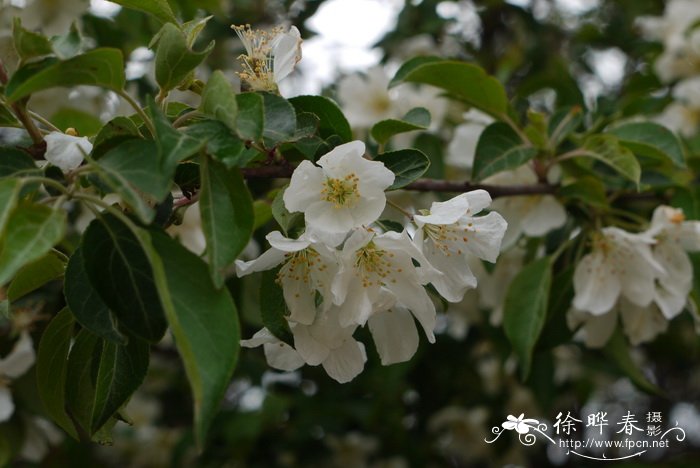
column 36, row 274
column 222, row 143
column 29, row 44
column 99, row 67
column 332, row 120
column 286, row 220
column 227, row 215
column 525, row 309
column 175, row 60
column 410, row 66
column 121, row 371
column 262, row 213
column 9, row 192
column 31, row 231
column 219, row 100
column 120, row 271
column 51, row 369
column 192, row 29
column 14, row 161
column 204, row 322
column 68, row 45
column 112, row 134
column 280, row 120
column 157, row 8
column 499, row 149
column 85, row 303
column 407, row 165
column 388, row 225
column 83, row 362
column 273, row 308
column 618, row 352
column 589, row 190
column 7, row 118
column 85, row 123
column 607, row 149
column 464, row 81
column 250, row 120
column 173, row 145
column 651, row 140
column 416, row 119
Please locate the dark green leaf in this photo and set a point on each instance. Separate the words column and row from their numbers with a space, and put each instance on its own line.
column 607, row 149
column 51, row 368
column 407, row 165
column 14, row 161
column 618, row 352
column 204, row 322
column 31, row 231
column 121, row 371
column 36, row 274
column 222, row 143
column 250, row 120
column 9, row 192
column 219, row 100
column 115, row 132
column 173, row 145
column 85, row 303
column 99, row 67
column 227, row 215
column 463, row 80
column 286, row 220
column 280, row 120
column 651, row 140
column 388, row 225
column 29, row 44
column 589, row 190
column 85, row 123
column 499, row 149
column 415, row 119
column 332, row 120
column 273, row 308
column 83, row 363
column 525, row 309
column 410, row 66
column 120, row 271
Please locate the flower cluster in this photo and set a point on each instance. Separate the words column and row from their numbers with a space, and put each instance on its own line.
column 644, row 277
column 343, row 273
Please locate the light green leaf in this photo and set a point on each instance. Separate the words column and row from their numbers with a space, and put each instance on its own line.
column 416, row 119
column 157, row 8
column 227, row 215
column 85, row 303
column 99, row 67
column 204, row 322
column 175, row 60
column 51, row 369
column 410, row 66
column 29, row 44
column 607, row 149
column 219, row 100
column 464, row 81
column 407, row 165
column 525, row 309
column 31, row 231
column 120, row 271
column 36, row 274
column 499, row 149
column 651, row 140
column 332, row 120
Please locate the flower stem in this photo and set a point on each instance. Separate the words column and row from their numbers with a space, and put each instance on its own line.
column 139, row 111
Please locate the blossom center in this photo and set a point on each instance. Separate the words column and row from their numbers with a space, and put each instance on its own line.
column 374, row 266
column 341, row 192
column 257, row 63
column 299, row 265
column 448, row 239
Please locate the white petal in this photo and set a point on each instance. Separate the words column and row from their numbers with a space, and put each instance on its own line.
column 416, row 299
column 66, row 151
column 596, row 286
column 282, row 356
column 262, row 336
column 478, row 200
column 299, row 296
column 368, row 209
column 596, row 330
column 485, row 236
column 545, row 216
column 670, row 303
column 20, row 359
column 395, row 335
column 447, row 212
column 690, row 236
column 269, row 259
column 340, row 159
column 311, row 350
column 7, row 407
column 326, row 217
column 346, row 362
column 287, row 52
column 457, row 277
column 304, row 187
column 279, row 242
column 641, row 324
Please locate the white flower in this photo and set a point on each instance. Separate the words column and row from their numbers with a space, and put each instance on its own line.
column 366, row 99
column 270, row 56
column 327, row 343
column 20, row 359
column 683, row 115
column 674, row 237
column 307, row 267
column 621, row 263
column 66, row 151
column 52, row 17
column 450, row 232
column 347, row 191
column 532, row 215
column 372, row 265
column 40, row 434
column 462, row 148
